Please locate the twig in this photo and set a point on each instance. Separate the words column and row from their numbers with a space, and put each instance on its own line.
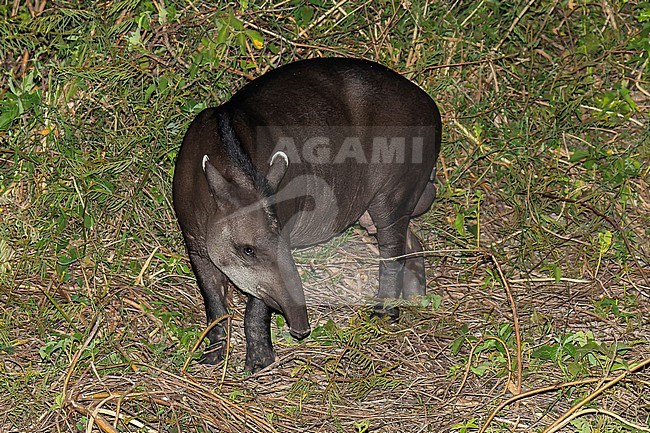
column 411, row 58
column 556, row 387
column 214, row 323
column 555, row 426
column 140, row 277
column 78, row 353
column 515, row 319
column 604, row 412
column 531, row 393
column 96, row 417
column 551, row 280
column 610, row 220
column 514, row 24
column 99, row 420
column 469, row 17
column 469, row 63
column 320, row 19
column 467, row 133
column 638, row 79
column 599, row 110
column 471, row 354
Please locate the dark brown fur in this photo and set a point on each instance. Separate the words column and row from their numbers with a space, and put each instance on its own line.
column 241, row 202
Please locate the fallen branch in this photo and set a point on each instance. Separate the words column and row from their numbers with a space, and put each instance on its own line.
column 609, row 382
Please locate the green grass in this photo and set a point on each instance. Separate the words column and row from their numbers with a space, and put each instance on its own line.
column 544, row 167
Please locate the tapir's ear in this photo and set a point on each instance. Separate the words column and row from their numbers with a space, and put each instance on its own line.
column 279, row 164
column 219, row 186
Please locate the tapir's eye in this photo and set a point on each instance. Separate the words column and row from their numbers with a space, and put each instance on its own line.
column 248, row 251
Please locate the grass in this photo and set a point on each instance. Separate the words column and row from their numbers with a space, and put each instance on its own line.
column 538, row 244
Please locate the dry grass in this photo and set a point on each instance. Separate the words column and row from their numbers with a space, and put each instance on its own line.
column 105, row 349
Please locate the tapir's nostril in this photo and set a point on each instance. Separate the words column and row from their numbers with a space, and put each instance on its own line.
column 299, row 334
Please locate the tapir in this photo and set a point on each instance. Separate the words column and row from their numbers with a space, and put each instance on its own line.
column 295, row 157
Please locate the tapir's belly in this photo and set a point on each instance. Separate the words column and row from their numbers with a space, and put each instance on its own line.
column 317, row 224
column 309, row 233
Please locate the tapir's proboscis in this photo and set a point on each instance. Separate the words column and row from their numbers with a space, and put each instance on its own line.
column 294, row 158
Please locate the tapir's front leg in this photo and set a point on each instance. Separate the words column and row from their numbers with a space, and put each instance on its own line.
column 213, row 289
column 257, row 327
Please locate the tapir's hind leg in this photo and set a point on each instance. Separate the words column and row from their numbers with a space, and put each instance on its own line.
column 391, row 240
column 213, row 285
column 414, row 275
column 414, row 281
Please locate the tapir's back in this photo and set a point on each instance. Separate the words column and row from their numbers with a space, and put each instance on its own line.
column 336, row 92
column 353, row 130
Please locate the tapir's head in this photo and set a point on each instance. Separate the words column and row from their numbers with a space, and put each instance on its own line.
column 244, row 241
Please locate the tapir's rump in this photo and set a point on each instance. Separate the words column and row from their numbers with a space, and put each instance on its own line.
column 294, row 158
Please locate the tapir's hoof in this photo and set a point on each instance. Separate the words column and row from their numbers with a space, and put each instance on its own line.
column 212, row 356
column 259, row 359
column 391, row 313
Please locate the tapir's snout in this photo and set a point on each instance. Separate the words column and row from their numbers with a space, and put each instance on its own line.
column 291, row 297
column 288, row 298
column 300, row 334
column 294, row 311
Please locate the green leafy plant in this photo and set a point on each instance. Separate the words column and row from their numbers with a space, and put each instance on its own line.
column 491, row 348
column 65, row 345
column 579, row 352
column 468, row 216
column 362, row 426
column 18, row 100
column 642, row 40
column 615, row 307
column 467, row 426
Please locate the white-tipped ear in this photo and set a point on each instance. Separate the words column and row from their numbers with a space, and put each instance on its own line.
column 282, row 155
column 279, row 164
column 219, row 186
